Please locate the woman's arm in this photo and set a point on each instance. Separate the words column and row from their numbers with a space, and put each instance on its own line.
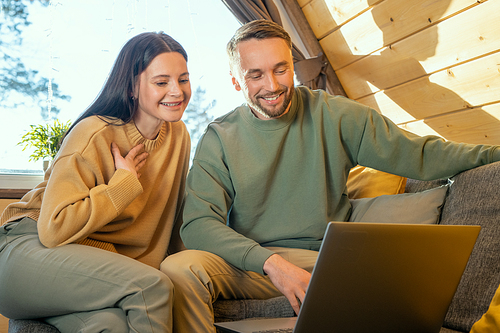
column 74, row 206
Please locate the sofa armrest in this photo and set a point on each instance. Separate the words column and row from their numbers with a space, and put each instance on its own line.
column 414, row 186
column 474, row 199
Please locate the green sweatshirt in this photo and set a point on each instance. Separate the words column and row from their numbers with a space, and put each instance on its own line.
column 259, row 183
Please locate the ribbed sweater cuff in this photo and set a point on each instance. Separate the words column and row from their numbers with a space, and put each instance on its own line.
column 98, row 244
column 123, row 188
column 18, row 213
column 255, row 258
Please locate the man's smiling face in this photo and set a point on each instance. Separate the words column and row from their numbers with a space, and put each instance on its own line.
column 264, row 73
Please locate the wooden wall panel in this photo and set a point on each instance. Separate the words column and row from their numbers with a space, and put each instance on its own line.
column 387, row 23
column 4, row 324
column 432, row 66
column 4, row 203
column 302, row 3
column 326, row 15
column 479, row 126
column 430, row 50
column 465, row 86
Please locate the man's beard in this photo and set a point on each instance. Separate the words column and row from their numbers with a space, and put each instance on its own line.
column 256, row 105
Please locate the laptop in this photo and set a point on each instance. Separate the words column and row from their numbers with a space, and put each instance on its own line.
column 377, row 277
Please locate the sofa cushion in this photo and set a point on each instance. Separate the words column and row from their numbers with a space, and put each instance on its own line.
column 368, row 183
column 30, row 326
column 419, row 208
column 448, row 330
column 230, row 310
column 473, row 199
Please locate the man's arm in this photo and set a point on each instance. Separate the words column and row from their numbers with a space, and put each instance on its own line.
column 210, row 194
column 386, row 147
column 290, row 280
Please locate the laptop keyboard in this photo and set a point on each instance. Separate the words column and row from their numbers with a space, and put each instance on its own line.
column 280, row 330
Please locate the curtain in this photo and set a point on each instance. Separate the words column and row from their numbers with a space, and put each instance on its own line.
column 309, row 72
column 251, row 10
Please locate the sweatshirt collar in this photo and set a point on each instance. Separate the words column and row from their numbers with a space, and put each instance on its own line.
column 137, row 138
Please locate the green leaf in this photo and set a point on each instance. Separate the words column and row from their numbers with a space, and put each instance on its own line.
column 45, row 138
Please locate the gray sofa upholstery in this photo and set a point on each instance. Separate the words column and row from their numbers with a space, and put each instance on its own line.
column 472, row 199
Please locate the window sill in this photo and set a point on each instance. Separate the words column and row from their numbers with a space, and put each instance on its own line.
column 14, row 186
column 12, row 193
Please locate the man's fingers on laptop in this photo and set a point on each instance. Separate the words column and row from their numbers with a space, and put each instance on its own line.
column 297, row 300
column 294, row 303
column 290, row 280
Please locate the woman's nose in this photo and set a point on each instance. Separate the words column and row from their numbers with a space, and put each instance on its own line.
column 175, row 89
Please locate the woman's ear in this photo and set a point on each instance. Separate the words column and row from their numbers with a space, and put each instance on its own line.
column 135, row 93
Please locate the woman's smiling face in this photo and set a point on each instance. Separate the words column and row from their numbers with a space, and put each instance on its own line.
column 163, row 93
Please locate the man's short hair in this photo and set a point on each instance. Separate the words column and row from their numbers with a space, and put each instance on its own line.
column 259, row 29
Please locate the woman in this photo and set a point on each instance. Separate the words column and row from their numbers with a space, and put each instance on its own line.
column 83, row 248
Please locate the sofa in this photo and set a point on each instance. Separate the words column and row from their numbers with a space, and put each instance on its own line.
column 471, row 198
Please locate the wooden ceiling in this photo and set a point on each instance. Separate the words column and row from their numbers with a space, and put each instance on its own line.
column 432, row 66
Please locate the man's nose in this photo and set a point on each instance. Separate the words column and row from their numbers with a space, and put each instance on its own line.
column 271, row 83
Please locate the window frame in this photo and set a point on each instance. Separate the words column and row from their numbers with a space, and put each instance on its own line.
column 14, row 186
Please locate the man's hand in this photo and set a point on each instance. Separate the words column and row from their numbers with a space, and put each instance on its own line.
column 132, row 161
column 291, row 280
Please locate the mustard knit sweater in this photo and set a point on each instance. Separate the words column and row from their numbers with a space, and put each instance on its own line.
column 84, row 199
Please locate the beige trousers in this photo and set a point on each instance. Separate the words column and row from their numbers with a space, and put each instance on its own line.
column 200, row 278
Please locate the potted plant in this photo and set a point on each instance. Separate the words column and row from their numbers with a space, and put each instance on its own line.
column 45, row 138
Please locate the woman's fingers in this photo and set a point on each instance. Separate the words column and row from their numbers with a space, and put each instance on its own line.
column 133, row 161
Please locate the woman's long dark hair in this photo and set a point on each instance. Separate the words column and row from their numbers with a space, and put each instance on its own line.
column 115, row 99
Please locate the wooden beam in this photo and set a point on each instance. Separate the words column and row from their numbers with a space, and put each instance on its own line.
column 311, row 43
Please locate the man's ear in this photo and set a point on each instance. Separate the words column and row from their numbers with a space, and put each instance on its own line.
column 236, row 85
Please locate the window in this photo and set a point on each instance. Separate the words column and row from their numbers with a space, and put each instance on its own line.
column 73, row 44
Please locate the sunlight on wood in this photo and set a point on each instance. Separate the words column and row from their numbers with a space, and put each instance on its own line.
column 419, row 128
column 493, row 110
column 388, row 107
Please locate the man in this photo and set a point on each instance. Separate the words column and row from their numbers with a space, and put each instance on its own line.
column 268, row 177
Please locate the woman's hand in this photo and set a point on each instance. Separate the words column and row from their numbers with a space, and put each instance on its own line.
column 132, row 162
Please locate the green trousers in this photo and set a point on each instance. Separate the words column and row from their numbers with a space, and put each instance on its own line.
column 78, row 288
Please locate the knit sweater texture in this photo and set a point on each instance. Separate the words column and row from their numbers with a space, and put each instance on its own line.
column 260, row 183
column 84, row 199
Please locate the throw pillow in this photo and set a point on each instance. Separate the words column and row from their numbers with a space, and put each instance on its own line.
column 490, row 321
column 418, row 208
column 368, row 183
